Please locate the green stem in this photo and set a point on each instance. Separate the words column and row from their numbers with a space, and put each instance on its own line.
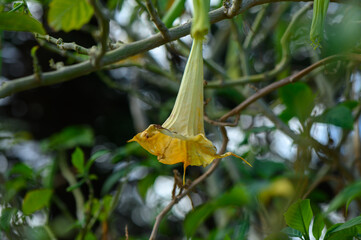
column 88, row 215
column 17, row 7
column 49, row 232
column 69, row 176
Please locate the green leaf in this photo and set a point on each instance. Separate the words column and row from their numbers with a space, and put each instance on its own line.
column 38, row 233
column 286, row 115
column 292, row 232
column 238, row 196
column 70, row 137
column 35, row 200
column 298, row 99
column 106, row 207
column 145, row 183
column 5, row 218
column 115, row 4
column 345, row 231
column 76, row 185
column 277, row 236
column 299, row 216
column 196, row 217
column 22, row 170
column 350, row 104
column 115, row 177
column 13, row 21
column 94, row 157
column 77, row 158
column 318, row 225
column 69, row 15
column 340, row 116
column 345, row 196
column 88, row 236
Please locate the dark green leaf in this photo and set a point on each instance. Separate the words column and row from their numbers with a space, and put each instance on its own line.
column 132, row 148
column 69, row 15
column 277, row 236
column 13, row 186
column 115, row 4
column 13, row 21
column 349, row 104
column 35, row 200
column 267, row 169
column 94, row 157
column 22, row 170
column 106, row 207
column 5, row 218
column 299, row 216
column 292, row 232
column 196, row 217
column 286, row 115
column 71, row 137
column 345, row 196
column 114, row 178
column 145, row 183
column 345, row 231
column 238, row 196
column 298, row 99
column 340, row 116
column 76, row 185
column 38, row 233
column 77, row 158
column 318, row 225
column 88, row 236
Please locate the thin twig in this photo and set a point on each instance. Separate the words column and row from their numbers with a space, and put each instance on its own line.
column 200, row 179
column 154, row 17
column 103, row 23
column 255, row 26
column 280, row 66
column 63, row 45
column 291, row 79
column 126, row 50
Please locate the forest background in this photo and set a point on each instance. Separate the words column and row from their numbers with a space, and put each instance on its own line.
column 80, row 78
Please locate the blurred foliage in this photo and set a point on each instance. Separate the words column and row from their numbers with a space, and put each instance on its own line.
column 67, row 171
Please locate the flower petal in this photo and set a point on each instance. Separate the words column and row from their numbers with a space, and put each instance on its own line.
column 172, row 148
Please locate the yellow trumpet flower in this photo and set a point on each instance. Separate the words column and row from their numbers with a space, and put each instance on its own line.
column 181, row 137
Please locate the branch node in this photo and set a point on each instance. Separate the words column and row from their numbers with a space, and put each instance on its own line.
column 231, row 10
column 36, row 66
column 154, row 17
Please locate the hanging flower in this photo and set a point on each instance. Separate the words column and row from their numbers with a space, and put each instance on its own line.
column 181, row 137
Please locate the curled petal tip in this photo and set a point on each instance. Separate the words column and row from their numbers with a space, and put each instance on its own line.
column 234, row 155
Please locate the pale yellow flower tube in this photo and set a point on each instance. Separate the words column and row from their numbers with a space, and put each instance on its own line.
column 181, row 137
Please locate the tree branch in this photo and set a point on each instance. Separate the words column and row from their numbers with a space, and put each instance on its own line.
column 63, row 45
column 157, row 21
column 291, row 79
column 125, row 51
column 200, row 179
column 232, row 11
